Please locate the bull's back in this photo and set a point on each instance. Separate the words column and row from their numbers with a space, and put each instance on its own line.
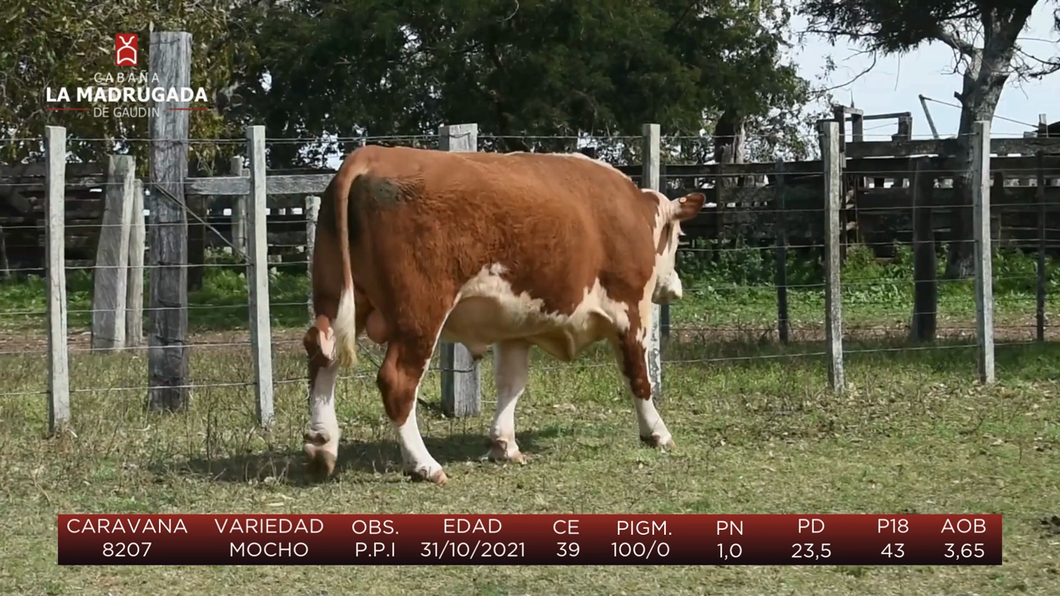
column 527, row 243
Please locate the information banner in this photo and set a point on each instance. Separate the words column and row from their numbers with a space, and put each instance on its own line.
column 529, row 539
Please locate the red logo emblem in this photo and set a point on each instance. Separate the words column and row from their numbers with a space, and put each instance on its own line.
column 125, row 53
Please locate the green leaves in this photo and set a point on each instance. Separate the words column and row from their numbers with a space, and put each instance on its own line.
column 532, row 67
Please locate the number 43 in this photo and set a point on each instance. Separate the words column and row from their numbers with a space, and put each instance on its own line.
column 894, row 550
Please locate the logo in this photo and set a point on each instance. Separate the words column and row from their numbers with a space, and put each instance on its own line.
column 125, row 53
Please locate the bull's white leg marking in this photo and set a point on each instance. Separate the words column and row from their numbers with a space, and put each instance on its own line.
column 652, row 427
column 511, row 373
column 322, row 419
column 415, row 458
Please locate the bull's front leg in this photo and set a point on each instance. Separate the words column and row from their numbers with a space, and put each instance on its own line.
column 631, row 349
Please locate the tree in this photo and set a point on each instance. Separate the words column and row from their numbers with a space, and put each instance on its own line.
column 516, row 67
column 983, row 35
column 56, row 43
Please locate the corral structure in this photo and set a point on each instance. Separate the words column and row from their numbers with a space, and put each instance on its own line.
column 55, row 214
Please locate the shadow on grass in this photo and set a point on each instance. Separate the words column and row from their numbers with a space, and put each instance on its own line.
column 378, row 456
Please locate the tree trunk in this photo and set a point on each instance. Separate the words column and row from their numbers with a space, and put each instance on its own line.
column 983, row 82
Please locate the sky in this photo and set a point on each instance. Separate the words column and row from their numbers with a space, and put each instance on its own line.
column 895, row 83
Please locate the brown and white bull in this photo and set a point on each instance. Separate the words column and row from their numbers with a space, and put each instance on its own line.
column 505, row 250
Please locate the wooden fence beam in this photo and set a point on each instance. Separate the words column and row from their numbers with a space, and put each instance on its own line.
column 111, row 275
column 833, row 192
column 55, row 231
column 168, row 356
column 650, row 149
column 461, row 375
column 239, row 209
column 134, row 299
column 312, row 211
column 984, row 288
column 258, row 278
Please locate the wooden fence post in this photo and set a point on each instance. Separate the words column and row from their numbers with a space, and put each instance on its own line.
column 781, row 267
column 664, row 310
column 1042, row 236
column 925, row 261
column 650, row 179
column 239, row 210
column 833, row 301
column 258, row 277
column 134, row 299
column 312, row 211
column 461, row 375
column 55, row 216
column 111, row 275
column 168, row 356
column 984, row 288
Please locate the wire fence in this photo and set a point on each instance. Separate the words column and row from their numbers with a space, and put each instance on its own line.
column 758, row 265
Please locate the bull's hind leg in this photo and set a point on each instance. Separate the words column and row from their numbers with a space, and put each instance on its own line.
column 632, row 351
column 511, row 371
column 406, row 361
column 322, row 438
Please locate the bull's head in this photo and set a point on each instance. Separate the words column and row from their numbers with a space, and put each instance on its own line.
column 667, row 233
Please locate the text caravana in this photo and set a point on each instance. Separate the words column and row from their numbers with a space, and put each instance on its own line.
column 125, row 526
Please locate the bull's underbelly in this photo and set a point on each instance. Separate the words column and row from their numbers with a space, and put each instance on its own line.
column 479, row 322
column 487, row 312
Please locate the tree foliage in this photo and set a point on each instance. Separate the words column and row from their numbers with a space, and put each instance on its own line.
column 56, row 43
column 984, row 36
column 517, row 67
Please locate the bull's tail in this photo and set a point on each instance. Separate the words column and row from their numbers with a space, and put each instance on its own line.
column 345, row 323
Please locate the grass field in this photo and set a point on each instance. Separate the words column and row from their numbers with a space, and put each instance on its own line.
column 756, row 432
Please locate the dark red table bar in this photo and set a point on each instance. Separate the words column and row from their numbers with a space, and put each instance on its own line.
column 522, row 539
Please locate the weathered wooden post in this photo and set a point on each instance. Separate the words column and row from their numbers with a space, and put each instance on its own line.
column 781, row 267
column 55, row 216
column 134, row 300
column 239, row 210
column 258, row 277
column 312, row 210
column 984, row 289
column 167, row 356
column 1042, row 275
column 110, row 293
column 833, row 204
column 925, row 261
column 461, row 375
column 650, row 179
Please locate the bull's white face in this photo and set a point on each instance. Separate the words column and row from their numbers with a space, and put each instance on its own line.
column 668, row 286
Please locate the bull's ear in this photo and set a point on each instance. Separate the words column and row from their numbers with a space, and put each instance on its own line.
column 688, row 206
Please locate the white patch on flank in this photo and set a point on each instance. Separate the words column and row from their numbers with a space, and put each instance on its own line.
column 322, row 407
column 488, row 311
